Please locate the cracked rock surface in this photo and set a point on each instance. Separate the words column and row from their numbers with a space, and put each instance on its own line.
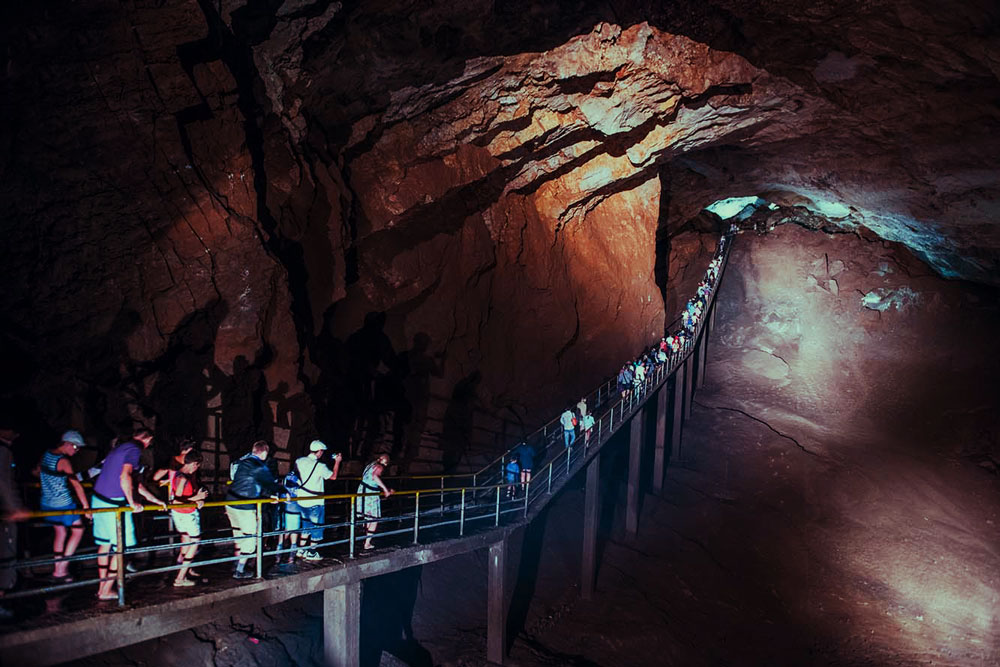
column 188, row 183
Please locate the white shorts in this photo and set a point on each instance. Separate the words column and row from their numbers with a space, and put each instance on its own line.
column 187, row 524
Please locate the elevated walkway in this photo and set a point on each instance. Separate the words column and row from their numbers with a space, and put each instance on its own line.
column 436, row 518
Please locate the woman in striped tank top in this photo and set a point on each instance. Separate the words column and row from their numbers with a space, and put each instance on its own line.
column 57, row 477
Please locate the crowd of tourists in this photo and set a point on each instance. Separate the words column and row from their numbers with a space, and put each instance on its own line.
column 632, row 375
column 119, row 481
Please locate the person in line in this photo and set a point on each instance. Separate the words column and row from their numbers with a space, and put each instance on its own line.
column 59, row 486
column 369, row 506
column 11, row 511
column 183, row 490
column 588, row 427
column 526, row 459
column 512, row 474
column 115, row 487
column 568, row 422
column 252, row 479
column 313, row 473
column 176, row 462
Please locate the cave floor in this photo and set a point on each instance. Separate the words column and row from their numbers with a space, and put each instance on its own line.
column 763, row 550
column 777, row 541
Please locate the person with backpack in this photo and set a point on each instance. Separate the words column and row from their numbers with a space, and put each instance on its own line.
column 313, row 474
column 251, row 479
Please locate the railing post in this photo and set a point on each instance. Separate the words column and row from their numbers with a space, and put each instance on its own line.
column 354, row 521
column 260, row 540
column 416, row 517
column 527, row 494
column 497, row 519
column 569, row 457
column 442, row 494
column 550, row 477
column 461, row 516
column 120, row 556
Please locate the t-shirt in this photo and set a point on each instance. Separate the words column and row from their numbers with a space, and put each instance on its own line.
column 588, row 422
column 183, row 489
column 109, row 483
column 312, row 479
column 525, row 456
column 567, row 420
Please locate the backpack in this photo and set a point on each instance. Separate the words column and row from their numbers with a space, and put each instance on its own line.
column 292, row 482
column 236, row 464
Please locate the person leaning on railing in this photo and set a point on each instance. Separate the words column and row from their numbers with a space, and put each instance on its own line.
column 59, row 485
column 252, row 479
column 116, row 488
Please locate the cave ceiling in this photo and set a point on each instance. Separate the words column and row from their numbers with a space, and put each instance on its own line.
column 234, row 174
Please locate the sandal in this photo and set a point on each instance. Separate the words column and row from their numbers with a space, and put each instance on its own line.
column 108, row 598
column 181, row 583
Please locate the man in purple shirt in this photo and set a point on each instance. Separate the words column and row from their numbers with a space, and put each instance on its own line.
column 115, row 488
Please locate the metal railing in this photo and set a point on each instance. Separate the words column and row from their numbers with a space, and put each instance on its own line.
column 419, row 514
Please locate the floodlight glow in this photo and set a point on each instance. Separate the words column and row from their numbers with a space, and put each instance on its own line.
column 728, row 208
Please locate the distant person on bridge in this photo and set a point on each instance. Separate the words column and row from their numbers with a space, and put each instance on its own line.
column 252, row 479
column 369, row 507
column 59, row 486
column 116, row 488
column 312, row 512
column 526, row 459
column 568, row 421
column 183, row 489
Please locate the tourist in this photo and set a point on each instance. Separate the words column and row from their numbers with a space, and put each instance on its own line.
column 11, row 511
column 588, row 426
column 625, row 379
column 175, row 463
column 59, row 486
column 313, row 473
column 369, row 505
column 252, row 479
column 638, row 377
column 512, row 474
column 116, row 488
column 581, row 408
column 183, row 490
column 568, row 422
column 525, row 459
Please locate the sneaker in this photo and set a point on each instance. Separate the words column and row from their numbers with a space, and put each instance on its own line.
column 243, row 574
column 311, row 555
column 300, row 553
column 183, row 583
column 130, row 567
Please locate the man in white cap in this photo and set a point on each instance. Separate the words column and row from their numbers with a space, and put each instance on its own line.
column 313, row 473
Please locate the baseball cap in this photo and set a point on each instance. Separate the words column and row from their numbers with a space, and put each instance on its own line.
column 317, row 446
column 73, row 437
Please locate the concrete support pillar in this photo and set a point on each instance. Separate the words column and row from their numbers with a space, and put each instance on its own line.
column 342, row 625
column 496, row 612
column 659, row 453
column 688, row 372
column 703, row 359
column 711, row 314
column 677, row 414
column 591, row 520
column 634, row 472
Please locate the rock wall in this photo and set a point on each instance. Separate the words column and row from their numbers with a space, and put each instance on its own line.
column 390, row 224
